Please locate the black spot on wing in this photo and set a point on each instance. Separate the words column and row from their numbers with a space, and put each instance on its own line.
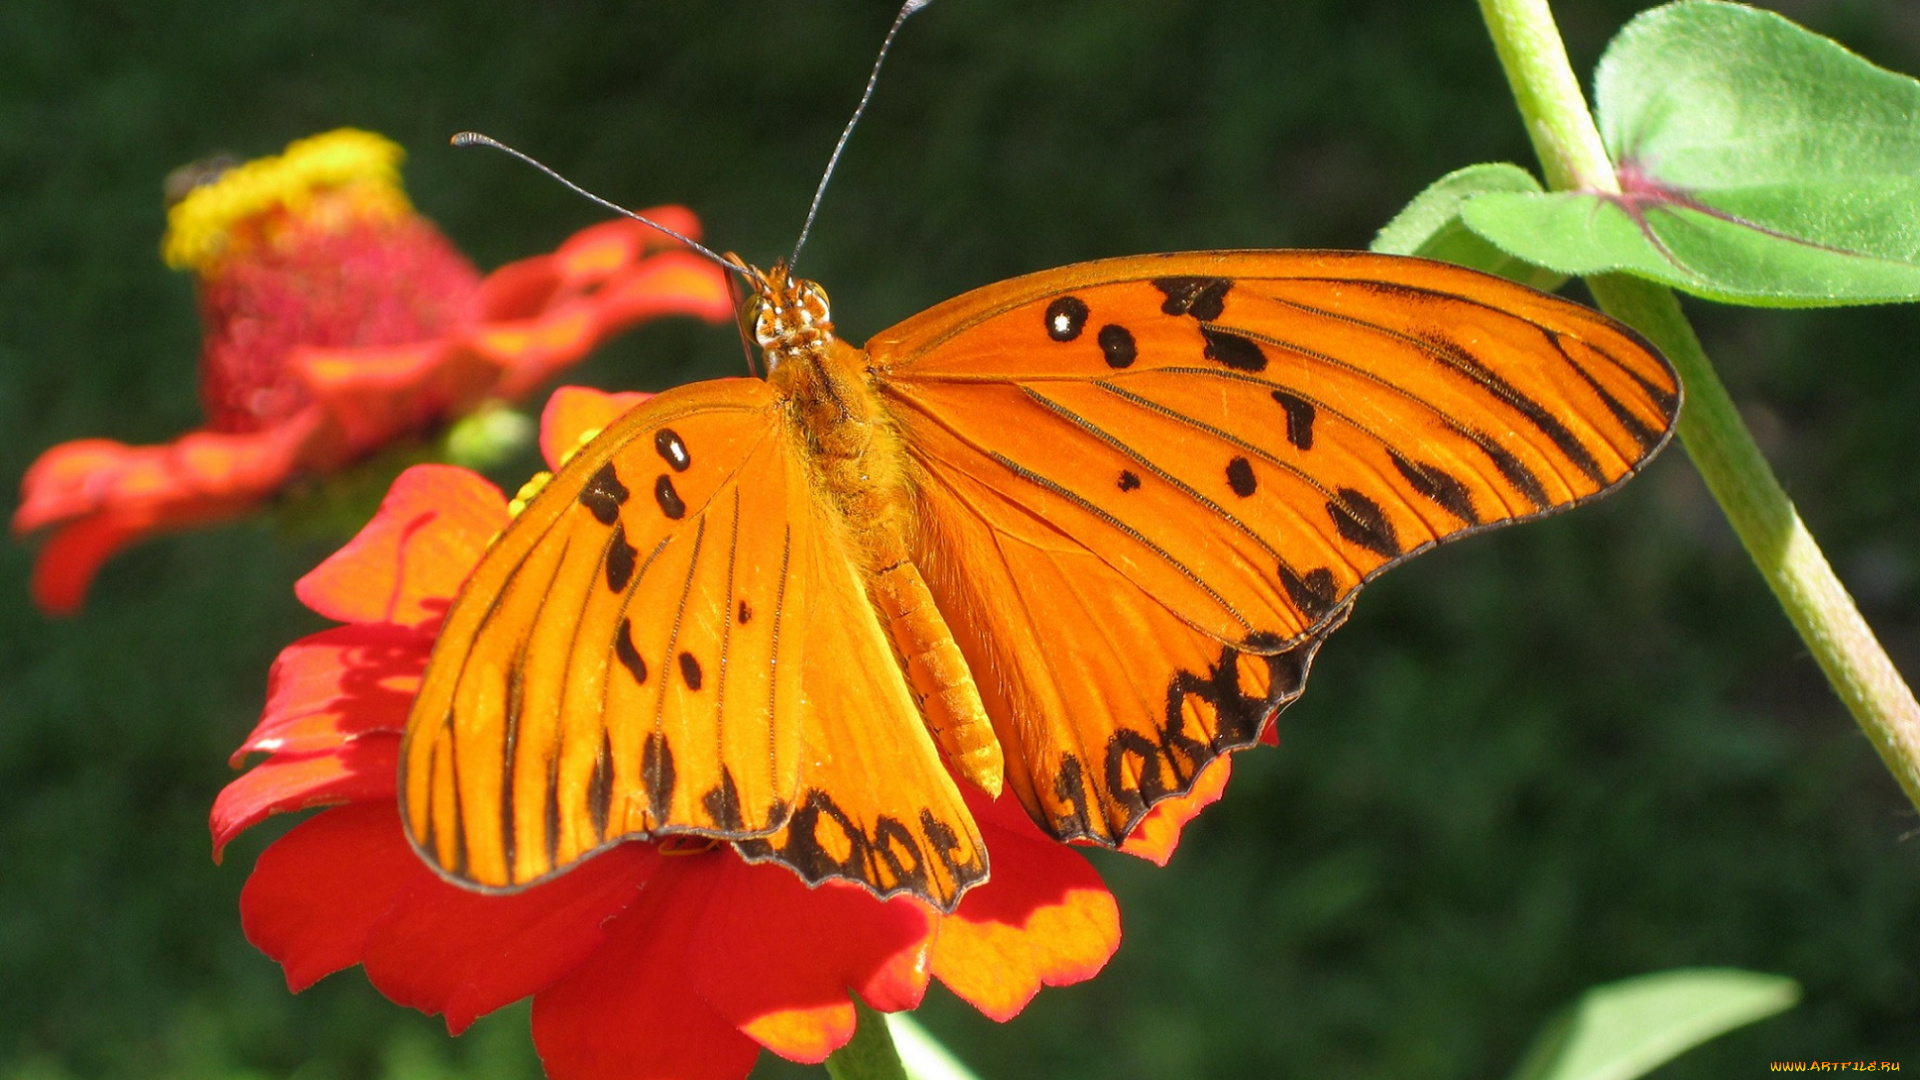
column 668, row 498
column 657, row 775
column 690, row 670
column 620, row 559
column 672, row 448
column 1167, row 763
column 1516, row 473
column 600, row 788
column 945, row 844
column 745, row 613
column 1066, row 317
column 1117, row 345
column 629, row 656
column 895, row 845
column 1313, row 592
column 1128, row 481
column 1240, row 477
column 723, row 804
column 1535, row 414
column 1300, row 413
column 1070, row 787
column 1204, row 298
column 604, row 494
column 1238, row 353
column 1636, row 429
column 1359, row 520
column 1445, row 491
column 803, row 849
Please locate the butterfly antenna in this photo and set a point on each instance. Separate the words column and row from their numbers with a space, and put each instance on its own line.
column 873, row 79
column 474, row 138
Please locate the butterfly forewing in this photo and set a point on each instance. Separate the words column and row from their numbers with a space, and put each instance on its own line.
column 626, row 660
column 1257, row 433
column 1139, row 475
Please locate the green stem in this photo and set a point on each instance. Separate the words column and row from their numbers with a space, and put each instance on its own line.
column 870, row 1054
column 1722, row 448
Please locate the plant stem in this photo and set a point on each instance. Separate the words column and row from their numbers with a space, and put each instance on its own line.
column 870, row 1054
column 1574, row 158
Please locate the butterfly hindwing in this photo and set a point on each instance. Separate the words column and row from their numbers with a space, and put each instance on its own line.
column 628, row 652
column 877, row 804
column 1154, row 469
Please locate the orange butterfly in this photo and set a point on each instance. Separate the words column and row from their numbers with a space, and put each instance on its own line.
column 1083, row 530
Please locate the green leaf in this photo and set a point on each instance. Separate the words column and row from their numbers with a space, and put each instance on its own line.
column 1629, row 1028
column 1430, row 225
column 1760, row 164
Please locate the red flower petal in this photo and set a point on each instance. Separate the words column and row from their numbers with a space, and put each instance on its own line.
column 406, row 564
column 317, row 892
column 1157, row 834
column 375, row 395
column 447, row 950
column 194, row 477
column 598, row 252
column 1043, row 919
column 776, row 958
column 363, row 770
column 631, row 1012
column 573, row 411
column 107, row 494
column 68, row 561
column 334, row 686
column 670, row 283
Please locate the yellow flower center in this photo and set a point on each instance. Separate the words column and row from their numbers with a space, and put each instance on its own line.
column 199, row 225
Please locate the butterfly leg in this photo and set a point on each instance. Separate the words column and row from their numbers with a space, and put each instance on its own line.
column 940, row 676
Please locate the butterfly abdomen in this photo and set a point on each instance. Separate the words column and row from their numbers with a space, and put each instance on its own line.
column 861, row 468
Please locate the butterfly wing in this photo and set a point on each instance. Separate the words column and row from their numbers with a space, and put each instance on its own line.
column 595, row 678
column 1150, row 486
column 629, row 660
column 877, row 806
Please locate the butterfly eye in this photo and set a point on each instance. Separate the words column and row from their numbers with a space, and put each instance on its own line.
column 766, row 324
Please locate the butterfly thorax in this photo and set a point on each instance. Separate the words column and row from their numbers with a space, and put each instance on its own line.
column 855, row 451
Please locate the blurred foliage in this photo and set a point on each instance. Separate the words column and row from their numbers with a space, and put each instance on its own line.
column 1535, row 762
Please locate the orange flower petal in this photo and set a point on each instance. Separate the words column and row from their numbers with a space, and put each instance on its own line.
column 776, row 958
column 572, row 412
column 363, row 770
column 631, row 1012
column 407, row 563
column 332, row 687
column 1043, row 919
column 1157, row 834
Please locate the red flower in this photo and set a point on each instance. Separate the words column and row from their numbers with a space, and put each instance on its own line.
column 647, row 960
column 337, row 320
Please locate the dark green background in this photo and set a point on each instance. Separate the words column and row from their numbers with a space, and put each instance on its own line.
column 1573, row 752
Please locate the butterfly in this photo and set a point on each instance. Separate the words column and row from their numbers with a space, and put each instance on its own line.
column 1076, row 534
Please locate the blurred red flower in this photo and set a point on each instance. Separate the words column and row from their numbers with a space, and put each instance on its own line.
column 650, row 959
column 336, row 321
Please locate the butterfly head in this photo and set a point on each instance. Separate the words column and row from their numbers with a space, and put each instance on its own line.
column 788, row 316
